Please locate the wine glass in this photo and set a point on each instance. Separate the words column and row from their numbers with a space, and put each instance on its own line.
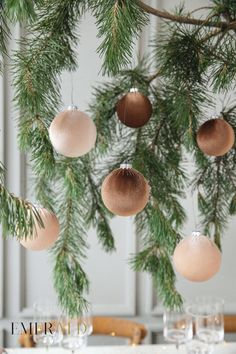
column 74, row 337
column 197, row 347
column 178, row 327
column 85, row 321
column 208, row 312
column 46, row 329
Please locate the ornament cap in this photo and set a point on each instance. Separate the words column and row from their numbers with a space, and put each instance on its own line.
column 216, row 116
column 196, row 233
column 125, row 165
column 133, row 90
column 72, row 107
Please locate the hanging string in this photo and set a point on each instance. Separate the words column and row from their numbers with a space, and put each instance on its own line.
column 72, row 88
column 194, row 214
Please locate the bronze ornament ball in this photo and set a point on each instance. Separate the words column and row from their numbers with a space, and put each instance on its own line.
column 197, row 258
column 43, row 237
column 72, row 133
column 125, row 191
column 134, row 109
column 215, row 137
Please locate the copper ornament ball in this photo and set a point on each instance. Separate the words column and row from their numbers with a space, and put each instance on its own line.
column 197, row 258
column 125, row 191
column 43, row 237
column 134, row 109
column 72, row 133
column 215, row 137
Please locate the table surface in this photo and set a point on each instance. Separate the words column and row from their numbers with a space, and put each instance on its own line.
column 225, row 348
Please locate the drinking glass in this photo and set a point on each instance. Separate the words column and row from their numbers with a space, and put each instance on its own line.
column 46, row 331
column 75, row 336
column 197, row 347
column 178, row 327
column 208, row 313
column 85, row 321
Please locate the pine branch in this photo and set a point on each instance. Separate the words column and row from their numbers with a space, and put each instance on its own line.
column 21, row 11
column 119, row 23
column 186, row 19
column 69, row 278
column 17, row 216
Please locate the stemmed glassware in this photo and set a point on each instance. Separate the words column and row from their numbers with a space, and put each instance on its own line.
column 208, row 315
column 178, row 327
column 46, row 331
column 77, row 330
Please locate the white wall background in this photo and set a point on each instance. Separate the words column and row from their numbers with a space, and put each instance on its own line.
column 115, row 289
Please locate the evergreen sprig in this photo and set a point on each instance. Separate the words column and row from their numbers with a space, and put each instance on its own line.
column 17, row 216
column 119, row 24
column 193, row 56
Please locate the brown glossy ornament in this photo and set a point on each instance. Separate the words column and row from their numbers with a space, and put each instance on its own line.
column 197, row 258
column 215, row 137
column 43, row 237
column 125, row 191
column 72, row 133
column 134, row 109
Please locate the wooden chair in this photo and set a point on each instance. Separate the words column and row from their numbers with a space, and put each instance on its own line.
column 230, row 323
column 117, row 327
column 111, row 326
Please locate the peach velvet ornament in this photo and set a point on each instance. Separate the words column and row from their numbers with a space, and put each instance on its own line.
column 72, row 133
column 215, row 137
column 43, row 237
column 197, row 258
column 134, row 109
column 125, row 191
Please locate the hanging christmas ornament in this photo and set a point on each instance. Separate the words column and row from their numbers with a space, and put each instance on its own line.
column 215, row 137
column 72, row 133
column 43, row 237
column 125, row 191
column 197, row 258
column 134, row 109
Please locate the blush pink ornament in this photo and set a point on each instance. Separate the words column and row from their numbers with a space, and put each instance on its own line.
column 197, row 258
column 43, row 237
column 72, row 133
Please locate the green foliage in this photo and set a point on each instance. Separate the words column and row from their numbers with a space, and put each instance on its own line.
column 194, row 60
column 17, row 216
column 119, row 24
column 20, row 10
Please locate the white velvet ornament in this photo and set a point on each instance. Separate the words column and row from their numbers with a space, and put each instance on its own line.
column 43, row 237
column 72, row 133
column 197, row 258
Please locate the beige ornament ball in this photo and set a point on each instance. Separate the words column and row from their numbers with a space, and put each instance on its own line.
column 72, row 133
column 125, row 191
column 43, row 237
column 197, row 258
column 215, row 137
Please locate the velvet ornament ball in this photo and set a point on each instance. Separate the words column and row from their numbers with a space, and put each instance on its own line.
column 72, row 133
column 197, row 258
column 125, row 191
column 215, row 137
column 134, row 109
column 43, row 237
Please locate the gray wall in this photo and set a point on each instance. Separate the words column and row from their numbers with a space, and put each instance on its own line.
column 115, row 290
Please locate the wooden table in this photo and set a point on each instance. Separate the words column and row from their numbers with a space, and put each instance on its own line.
column 226, row 348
